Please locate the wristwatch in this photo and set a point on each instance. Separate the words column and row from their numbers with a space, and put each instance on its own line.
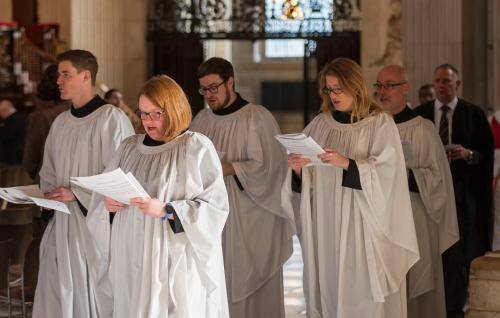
column 169, row 212
column 471, row 156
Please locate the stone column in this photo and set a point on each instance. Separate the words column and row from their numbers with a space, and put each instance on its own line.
column 494, row 55
column 380, row 36
column 432, row 35
column 134, row 46
column 97, row 26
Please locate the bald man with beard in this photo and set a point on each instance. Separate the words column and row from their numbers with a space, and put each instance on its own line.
column 431, row 194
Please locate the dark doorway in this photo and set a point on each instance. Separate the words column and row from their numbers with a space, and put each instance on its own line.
column 179, row 59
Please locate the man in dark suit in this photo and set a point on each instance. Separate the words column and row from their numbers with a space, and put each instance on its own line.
column 468, row 141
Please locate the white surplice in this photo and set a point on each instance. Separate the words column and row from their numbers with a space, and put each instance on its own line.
column 144, row 269
column 434, row 212
column 358, row 245
column 257, row 238
column 74, row 147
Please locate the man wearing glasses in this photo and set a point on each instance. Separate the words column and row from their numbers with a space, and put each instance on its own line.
column 257, row 238
column 431, row 194
column 466, row 136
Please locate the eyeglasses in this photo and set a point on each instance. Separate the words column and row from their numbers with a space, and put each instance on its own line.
column 335, row 90
column 150, row 115
column 378, row 86
column 213, row 89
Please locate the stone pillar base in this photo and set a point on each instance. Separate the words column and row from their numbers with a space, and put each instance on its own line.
column 484, row 287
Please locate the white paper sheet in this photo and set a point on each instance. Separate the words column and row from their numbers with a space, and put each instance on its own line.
column 301, row 145
column 51, row 205
column 114, row 184
column 31, row 194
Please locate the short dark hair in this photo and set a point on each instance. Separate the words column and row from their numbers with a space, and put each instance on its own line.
column 47, row 89
column 424, row 87
column 81, row 60
column 216, row 65
column 447, row 67
column 108, row 94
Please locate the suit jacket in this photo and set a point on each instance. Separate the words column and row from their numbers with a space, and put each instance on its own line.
column 472, row 181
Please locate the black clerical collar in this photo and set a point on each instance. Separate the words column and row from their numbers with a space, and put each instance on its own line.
column 88, row 108
column 238, row 104
column 343, row 117
column 150, row 142
column 406, row 114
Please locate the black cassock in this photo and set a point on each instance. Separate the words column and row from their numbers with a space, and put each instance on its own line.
column 472, row 183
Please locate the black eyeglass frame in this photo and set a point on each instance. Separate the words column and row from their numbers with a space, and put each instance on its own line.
column 335, row 90
column 151, row 115
column 213, row 89
column 379, row 86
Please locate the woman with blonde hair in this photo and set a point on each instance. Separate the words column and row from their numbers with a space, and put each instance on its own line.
column 164, row 258
column 357, row 230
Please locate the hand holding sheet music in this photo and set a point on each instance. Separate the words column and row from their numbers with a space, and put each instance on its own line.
column 301, row 145
column 31, row 194
column 114, row 184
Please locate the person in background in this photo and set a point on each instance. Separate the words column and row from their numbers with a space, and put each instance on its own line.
column 495, row 129
column 115, row 98
column 426, row 93
column 257, row 238
column 466, row 136
column 49, row 106
column 431, row 194
column 12, row 134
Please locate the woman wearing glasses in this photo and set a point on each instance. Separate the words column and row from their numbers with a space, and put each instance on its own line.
column 165, row 253
column 357, row 229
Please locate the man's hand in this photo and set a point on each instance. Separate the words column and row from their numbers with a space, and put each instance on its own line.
column 61, row 194
column 112, row 205
column 296, row 162
column 459, row 152
column 227, row 168
column 152, row 207
column 333, row 157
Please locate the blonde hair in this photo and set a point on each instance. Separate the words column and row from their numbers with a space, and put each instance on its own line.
column 165, row 93
column 352, row 83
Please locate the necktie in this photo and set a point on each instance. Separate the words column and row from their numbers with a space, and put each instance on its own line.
column 444, row 129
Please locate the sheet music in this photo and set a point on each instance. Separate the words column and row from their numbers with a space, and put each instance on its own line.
column 114, row 184
column 31, row 194
column 301, row 145
column 51, row 204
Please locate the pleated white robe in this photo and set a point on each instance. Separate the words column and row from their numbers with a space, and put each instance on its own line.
column 74, row 147
column 257, row 239
column 152, row 272
column 434, row 213
column 357, row 245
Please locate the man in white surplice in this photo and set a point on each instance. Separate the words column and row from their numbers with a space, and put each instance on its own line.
column 257, row 238
column 81, row 142
column 431, row 194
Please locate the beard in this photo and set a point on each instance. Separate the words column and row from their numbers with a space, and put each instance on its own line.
column 225, row 102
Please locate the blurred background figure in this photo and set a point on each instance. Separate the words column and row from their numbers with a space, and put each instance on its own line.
column 426, row 93
column 12, row 133
column 115, row 98
column 49, row 106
